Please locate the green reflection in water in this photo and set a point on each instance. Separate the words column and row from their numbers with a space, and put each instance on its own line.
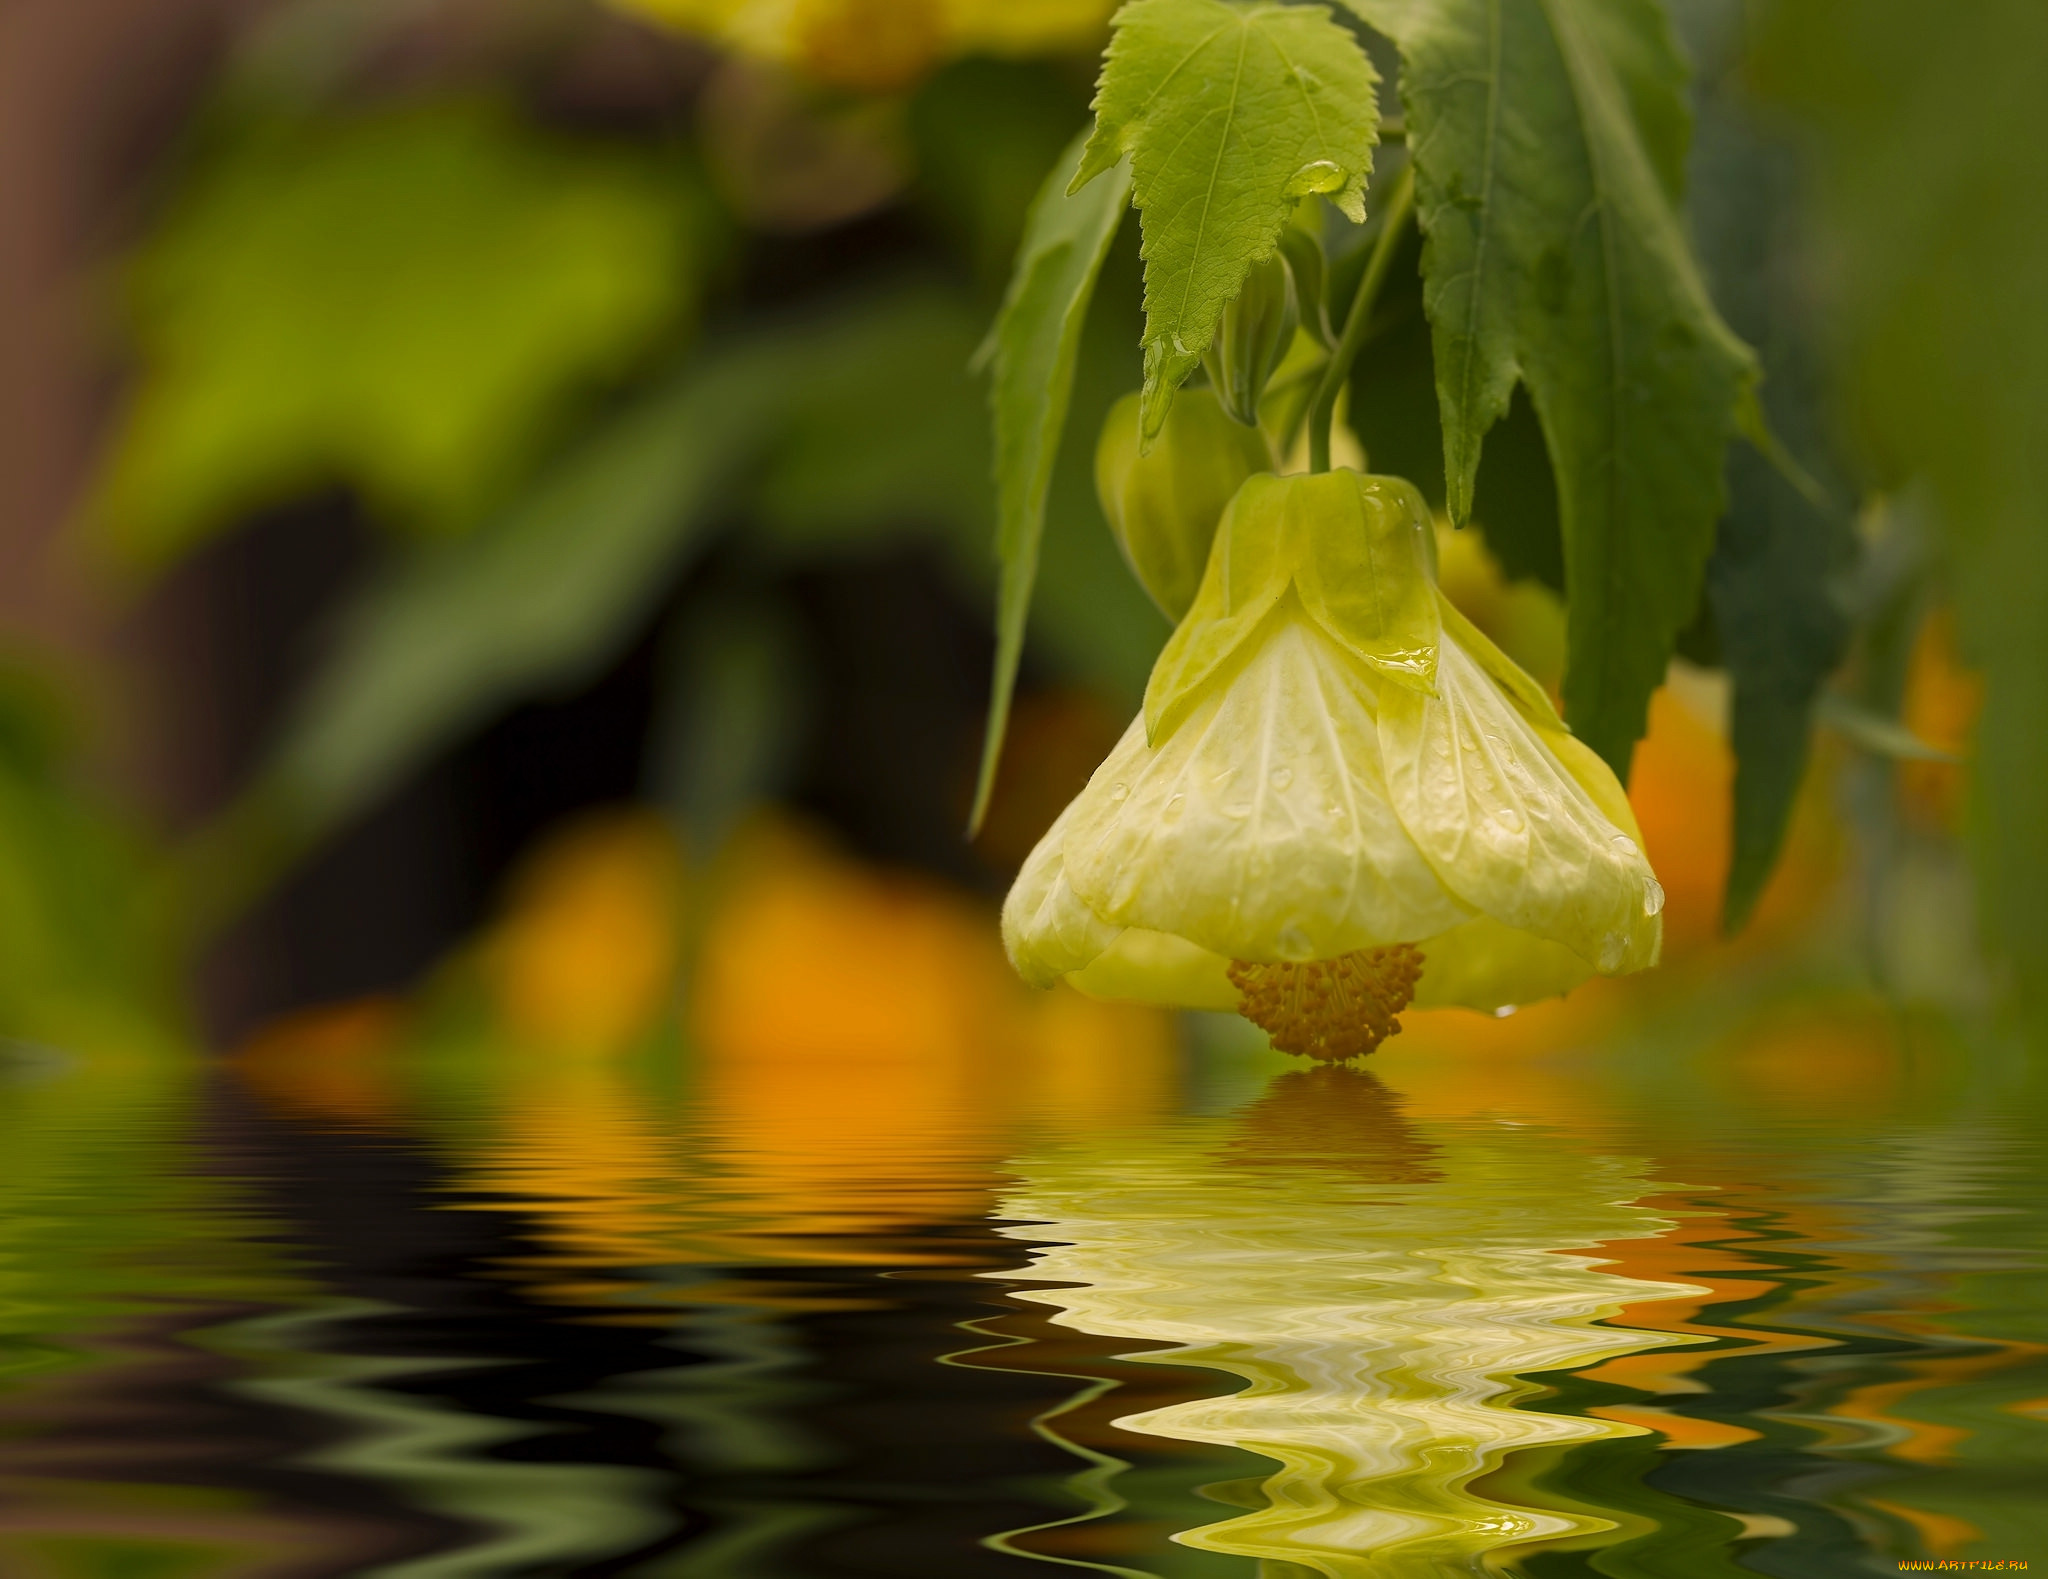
column 119, row 1254
column 1380, row 1290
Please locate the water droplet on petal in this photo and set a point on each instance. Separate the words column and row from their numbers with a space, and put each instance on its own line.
column 1504, row 1011
column 1118, row 791
column 1294, row 943
column 1174, row 807
column 1282, row 777
column 1653, row 896
column 1613, row 949
column 1318, row 175
column 1626, row 846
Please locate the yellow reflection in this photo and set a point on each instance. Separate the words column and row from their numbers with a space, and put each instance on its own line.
column 852, row 1058
column 1380, row 1287
column 866, row 1052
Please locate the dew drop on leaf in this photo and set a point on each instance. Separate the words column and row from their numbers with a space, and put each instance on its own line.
column 1318, row 175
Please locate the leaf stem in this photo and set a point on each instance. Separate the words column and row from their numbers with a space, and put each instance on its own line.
column 1323, row 410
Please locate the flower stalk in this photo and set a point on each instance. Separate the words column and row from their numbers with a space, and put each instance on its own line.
column 1323, row 409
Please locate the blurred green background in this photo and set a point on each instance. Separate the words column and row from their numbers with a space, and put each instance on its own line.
column 495, row 625
column 431, row 426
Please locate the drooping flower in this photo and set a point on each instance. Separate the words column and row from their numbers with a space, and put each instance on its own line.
column 1340, row 797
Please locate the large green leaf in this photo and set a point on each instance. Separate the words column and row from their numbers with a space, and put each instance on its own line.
column 1933, row 138
column 1549, row 136
column 404, row 302
column 1781, row 553
column 1033, row 350
column 1229, row 112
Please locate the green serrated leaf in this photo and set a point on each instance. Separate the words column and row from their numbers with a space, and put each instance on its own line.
column 1229, row 113
column 1548, row 137
column 1033, row 349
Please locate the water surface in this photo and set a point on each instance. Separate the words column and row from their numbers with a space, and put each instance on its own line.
column 1767, row 1306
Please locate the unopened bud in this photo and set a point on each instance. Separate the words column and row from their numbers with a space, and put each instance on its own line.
column 1163, row 505
column 1255, row 333
column 1303, row 252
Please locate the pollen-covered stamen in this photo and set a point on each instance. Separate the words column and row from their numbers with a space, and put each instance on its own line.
column 1332, row 1009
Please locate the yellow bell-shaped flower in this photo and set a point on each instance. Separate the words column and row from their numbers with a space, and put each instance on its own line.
column 1340, row 798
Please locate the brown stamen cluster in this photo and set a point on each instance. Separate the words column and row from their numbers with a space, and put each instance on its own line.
column 1331, row 1009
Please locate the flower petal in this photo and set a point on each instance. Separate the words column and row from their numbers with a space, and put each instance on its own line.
column 1511, row 831
column 1260, row 829
column 1485, row 964
column 1048, row 931
column 1155, row 967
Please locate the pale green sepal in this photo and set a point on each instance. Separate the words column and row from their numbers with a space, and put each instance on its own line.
column 1485, row 965
column 1351, row 546
column 1508, row 828
column 1157, row 967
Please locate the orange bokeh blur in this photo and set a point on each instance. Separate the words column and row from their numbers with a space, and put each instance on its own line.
column 585, row 959
column 1943, row 698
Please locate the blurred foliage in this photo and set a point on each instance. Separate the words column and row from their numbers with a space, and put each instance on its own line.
column 402, row 300
column 86, row 962
column 1782, row 553
column 1928, row 139
column 484, row 327
column 879, row 45
column 104, row 1205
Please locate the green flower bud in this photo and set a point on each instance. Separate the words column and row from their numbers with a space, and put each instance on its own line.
column 1311, row 270
column 1163, row 504
column 1256, row 331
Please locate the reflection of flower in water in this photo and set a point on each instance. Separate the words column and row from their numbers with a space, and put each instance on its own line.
column 1379, row 1290
column 1341, row 1119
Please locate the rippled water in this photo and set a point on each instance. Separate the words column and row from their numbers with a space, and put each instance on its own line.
column 1776, row 1307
